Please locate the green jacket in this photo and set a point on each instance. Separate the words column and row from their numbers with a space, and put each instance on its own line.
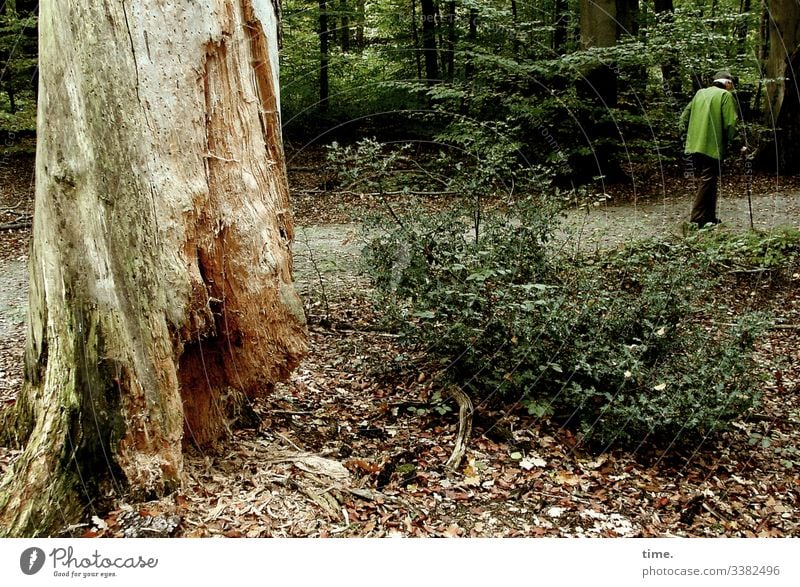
column 711, row 117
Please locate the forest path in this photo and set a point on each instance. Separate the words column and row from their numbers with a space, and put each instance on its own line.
column 333, row 250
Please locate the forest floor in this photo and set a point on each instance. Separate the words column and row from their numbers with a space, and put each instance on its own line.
column 351, row 446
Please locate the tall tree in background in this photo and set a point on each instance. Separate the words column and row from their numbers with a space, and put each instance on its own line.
column 560, row 23
column 361, row 16
column 324, row 56
column 345, row 31
column 783, row 82
column 415, row 38
column 160, row 274
column 665, row 12
column 599, row 29
column 428, row 8
column 450, row 51
column 472, row 38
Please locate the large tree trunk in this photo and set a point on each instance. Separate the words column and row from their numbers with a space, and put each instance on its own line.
column 160, row 274
column 599, row 29
column 781, row 68
column 598, row 88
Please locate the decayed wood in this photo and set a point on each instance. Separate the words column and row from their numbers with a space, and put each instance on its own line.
column 161, row 277
column 465, row 410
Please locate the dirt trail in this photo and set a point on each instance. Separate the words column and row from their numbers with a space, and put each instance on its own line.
column 333, row 250
column 607, row 225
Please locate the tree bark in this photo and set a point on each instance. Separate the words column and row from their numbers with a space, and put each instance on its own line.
column 783, row 91
column 599, row 29
column 160, row 273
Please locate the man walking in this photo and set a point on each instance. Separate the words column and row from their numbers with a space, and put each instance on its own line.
column 711, row 118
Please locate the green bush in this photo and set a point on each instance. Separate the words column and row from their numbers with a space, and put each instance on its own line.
column 616, row 345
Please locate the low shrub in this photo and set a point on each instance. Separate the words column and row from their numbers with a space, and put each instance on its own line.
column 619, row 344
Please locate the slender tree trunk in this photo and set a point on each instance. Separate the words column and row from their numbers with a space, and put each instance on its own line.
column 429, row 40
column 440, row 33
column 415, row 34
column 600, row 29
column 472, row 38
column 627, row 19
column 741, row 28
column 514, row 28
column 324, row 91
column 160, row 273
column 361, row 14
column 628, row 16
column 665, row 12
column 763, row 52
column 451, row 39
column 345, row 32
column 560, row 22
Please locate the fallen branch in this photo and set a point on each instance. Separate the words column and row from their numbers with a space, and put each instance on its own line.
column 373, row 194
column 465, row 410
column 16, row 225
column 772, row 419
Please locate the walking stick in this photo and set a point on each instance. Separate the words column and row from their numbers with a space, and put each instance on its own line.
column 748, row 169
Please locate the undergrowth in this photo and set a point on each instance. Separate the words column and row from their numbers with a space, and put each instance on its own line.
column 627, row 346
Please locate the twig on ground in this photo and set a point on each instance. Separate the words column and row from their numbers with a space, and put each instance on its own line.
column 316, row 269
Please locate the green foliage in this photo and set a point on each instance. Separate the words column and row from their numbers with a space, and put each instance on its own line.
column 748, row 251
column 511, row 72
column 18, row 60
column 619, row 345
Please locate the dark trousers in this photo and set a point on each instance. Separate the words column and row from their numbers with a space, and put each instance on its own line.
column 706, row 171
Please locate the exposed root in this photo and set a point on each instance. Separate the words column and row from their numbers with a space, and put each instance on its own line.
column 465, row 411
